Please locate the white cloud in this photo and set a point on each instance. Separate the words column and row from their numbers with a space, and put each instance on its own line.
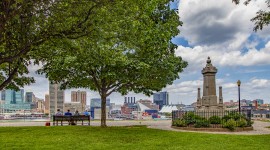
column 197, row 56
column 212, row 22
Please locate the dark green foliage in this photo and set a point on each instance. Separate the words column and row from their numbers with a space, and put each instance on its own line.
column 215, row 120
column 233, row 115
column 202, row 123
column 230, row 124
column 191, row 118
column 249, row 123
column 241, row 122
column 179, row 123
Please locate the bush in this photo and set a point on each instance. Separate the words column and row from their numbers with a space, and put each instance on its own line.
column 201, row 123
column 233, row 115
column 242, row 122
column 249, row 123
column 230, row 124
column 179, row 123
column 174, row 122
column 215, row 120
column 190, row 118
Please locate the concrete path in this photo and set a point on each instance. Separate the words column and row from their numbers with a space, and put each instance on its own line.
column 259, row 126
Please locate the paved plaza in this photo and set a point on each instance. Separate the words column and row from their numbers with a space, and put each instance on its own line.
column 259, row 126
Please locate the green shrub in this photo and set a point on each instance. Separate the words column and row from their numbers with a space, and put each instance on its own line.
column 215, row 120
column 233, row 115
column 190, row 118
column 242, row 122
column 174, row 122
column 230, row 124
column 179, row 123
column 249, row 123
column 202, row 123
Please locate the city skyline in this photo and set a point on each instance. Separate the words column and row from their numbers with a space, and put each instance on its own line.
column 222, row 31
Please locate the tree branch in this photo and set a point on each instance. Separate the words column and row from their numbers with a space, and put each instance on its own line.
column 10, row 78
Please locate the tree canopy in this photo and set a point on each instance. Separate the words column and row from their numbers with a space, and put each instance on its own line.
column 27, row 24
column 131, row 50
column 262, row 18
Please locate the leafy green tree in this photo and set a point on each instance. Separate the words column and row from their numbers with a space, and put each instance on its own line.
column 262, row 18
column 130, row 51
column 27, row 24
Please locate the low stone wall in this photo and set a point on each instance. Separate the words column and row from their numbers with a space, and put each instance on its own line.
column 214, row 129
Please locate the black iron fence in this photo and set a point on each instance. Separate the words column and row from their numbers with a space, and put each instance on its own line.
column 211, row 118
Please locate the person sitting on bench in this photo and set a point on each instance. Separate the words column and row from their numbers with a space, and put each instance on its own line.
column 68, row 113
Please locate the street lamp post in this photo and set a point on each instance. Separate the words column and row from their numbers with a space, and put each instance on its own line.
column 239, row 84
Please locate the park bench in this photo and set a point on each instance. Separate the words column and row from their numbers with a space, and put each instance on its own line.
column 71, row 120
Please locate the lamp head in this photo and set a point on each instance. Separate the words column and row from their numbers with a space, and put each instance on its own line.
column 238, row 82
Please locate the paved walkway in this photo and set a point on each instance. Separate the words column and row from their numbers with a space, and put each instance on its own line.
column 259, row 126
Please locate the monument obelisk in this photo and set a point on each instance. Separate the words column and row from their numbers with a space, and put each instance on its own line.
column 209, row 100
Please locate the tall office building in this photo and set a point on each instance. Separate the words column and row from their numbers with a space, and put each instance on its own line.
column 161, row 98
column 12, row 96
column 3, row 95
column 56, row 98
column 29, row 97
column 47, row 103
column 79, row 96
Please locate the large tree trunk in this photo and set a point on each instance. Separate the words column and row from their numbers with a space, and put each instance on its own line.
column 103, row 110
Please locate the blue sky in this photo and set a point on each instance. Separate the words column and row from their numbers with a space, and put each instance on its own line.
column 221, row 30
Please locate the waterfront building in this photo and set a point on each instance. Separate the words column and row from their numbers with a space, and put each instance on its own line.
column 161, row 98
column 56, row 98
column 79, row 96
column 259, row 101
column 29, row 97
column 47, row 104
column 12, row 96
column 40, row 105
column 14, row 101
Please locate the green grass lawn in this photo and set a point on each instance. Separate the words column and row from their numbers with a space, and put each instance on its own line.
column 84, row 137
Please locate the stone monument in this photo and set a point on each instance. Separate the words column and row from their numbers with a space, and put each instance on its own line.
column 209, row 100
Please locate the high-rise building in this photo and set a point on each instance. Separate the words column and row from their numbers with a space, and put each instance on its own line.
column 29, row 97
column 40, row 105
column 259, row 101
column 3, row 95
column 56, row 98
column 161, row 98
column 14, row 101
column 79, row 96
column 12, row 96
column 47, row 103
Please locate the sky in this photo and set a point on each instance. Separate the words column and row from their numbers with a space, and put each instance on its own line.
column 218, row 29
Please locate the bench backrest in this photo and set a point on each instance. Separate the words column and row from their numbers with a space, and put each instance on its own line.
column 68, row 118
